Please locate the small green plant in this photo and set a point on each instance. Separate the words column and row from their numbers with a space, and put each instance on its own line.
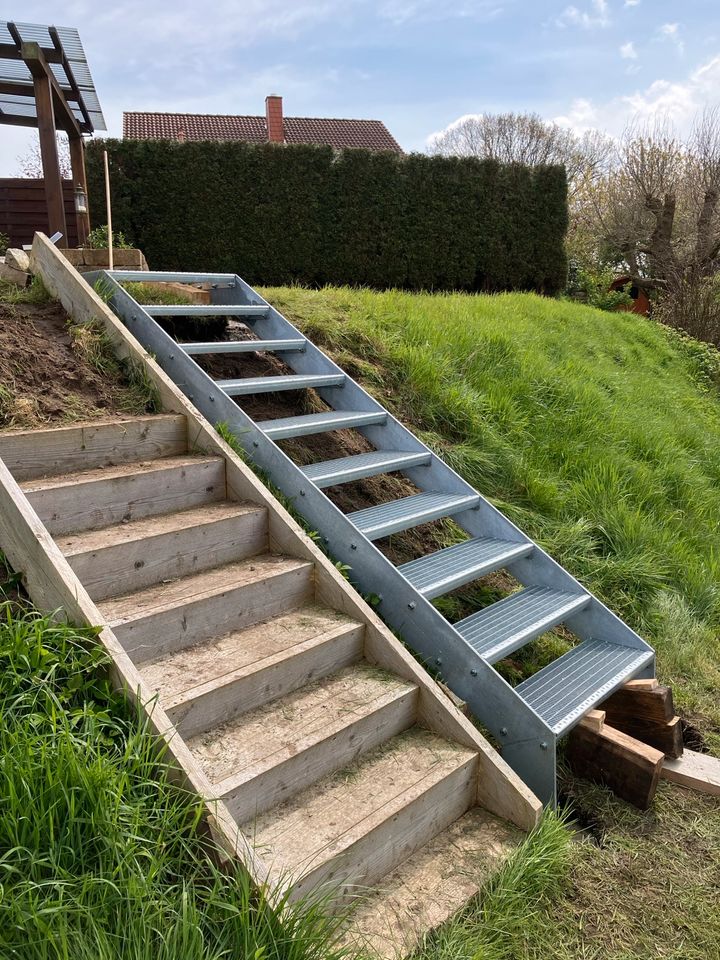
column 103, row 289
column 4, row 243
column 97, row 239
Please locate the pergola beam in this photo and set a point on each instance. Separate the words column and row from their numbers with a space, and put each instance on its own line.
column 38, row 67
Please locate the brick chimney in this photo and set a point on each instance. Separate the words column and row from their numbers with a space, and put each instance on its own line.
column 274, row 119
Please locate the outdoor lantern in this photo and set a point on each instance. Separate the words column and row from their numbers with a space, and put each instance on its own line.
column 80, row 200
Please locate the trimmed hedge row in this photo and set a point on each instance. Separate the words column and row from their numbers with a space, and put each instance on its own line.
column 306, row 214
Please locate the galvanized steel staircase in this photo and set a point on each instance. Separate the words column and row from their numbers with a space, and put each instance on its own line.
column 527, row 720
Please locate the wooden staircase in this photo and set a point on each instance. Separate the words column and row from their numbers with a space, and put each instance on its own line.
column 296, row 711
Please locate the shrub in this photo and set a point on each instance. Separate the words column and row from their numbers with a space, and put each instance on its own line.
column 593, row 287
column 309, row 215
column 4, row 243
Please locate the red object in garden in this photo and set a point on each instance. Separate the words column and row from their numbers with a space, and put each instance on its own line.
column 640, row 300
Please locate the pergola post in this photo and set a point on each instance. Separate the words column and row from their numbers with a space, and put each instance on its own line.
column 50, row 158
column 77, row 162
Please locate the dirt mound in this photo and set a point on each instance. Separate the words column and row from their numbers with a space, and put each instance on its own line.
column 43, row 376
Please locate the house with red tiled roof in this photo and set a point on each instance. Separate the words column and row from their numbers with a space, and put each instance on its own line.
column 272, row 128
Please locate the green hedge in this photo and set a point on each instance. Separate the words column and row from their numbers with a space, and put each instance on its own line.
column 306, row 214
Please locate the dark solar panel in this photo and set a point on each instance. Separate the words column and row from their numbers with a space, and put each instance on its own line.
column 14, row 72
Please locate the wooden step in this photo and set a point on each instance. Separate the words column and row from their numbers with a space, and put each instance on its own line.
column 96, row 498
column 430, row 887
column 354, row 827
column 128, row 556
column 269, row 755
column 208, row 684
column 43, row 453
column 170, row 616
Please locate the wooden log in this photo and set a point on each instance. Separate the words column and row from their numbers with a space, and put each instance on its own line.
column 666, row 737
column 631, row 769
column 644, row 710
column 632, row 703
column 696, row 771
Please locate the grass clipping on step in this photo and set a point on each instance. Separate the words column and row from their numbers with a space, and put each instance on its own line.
column 100, row 854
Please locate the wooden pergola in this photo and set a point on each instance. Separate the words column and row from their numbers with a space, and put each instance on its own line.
column 45, row 83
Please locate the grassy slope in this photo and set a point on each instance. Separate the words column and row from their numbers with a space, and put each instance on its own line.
column 599, row 434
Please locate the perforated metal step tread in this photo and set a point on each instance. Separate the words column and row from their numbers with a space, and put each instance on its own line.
column 566, row 689
column 236, row 388
column 287, row 427
column 506, row 626
column 447, row 569
column 243, row 346
column 387, row 518
column 346, row 469
column 204, row 310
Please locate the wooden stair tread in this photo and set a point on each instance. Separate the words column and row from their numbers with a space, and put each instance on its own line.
column 177, row 675
column 284, row 728
column 57, row 450
column 146, row 527
column 112, row 471
column 432, row 885
column 327, row 819
column 163, row 596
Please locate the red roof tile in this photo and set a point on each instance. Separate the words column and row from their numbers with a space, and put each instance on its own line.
column 340, row 134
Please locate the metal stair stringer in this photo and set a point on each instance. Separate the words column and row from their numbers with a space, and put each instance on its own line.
column 528, row 739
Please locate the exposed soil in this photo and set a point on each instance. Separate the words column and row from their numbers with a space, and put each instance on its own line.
column 42, row 376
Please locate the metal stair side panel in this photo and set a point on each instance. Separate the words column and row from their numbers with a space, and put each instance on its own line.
column 538, row 569
column 433, row 638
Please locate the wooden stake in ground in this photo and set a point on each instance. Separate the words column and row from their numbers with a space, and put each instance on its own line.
column 631, row 769
column 108, row 207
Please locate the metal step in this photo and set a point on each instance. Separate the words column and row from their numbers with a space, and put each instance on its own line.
column 287, row 427
column 447, row 569
column 167, row 276
column 387, row 518
column 204, row 310
column 511, row 623
column 236, row 388
column 566, row 689
column 243, row 346
column 364, row 465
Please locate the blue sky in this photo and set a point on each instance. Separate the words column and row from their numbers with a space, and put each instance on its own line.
column 418, row 65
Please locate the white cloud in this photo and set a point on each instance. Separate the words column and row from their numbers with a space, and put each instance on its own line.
column 404, row 11
column 680, row 102
column 628, row 51
column 671, row 32
column 597, row 15
column 632, row 3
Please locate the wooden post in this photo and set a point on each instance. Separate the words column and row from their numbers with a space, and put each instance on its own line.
column 50, row 158
column 77, row 161
column 109, row 209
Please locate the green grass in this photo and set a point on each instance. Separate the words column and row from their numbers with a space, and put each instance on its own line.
column 35, row 293
column 100, row 855
column 598, row 433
